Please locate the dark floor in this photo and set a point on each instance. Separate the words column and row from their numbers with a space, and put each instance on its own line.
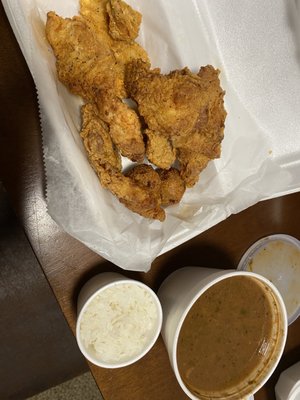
column 81, row 388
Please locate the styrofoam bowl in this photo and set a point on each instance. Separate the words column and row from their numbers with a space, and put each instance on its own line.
column 288, row 385
column 182, row 289
column 277, row 258
column 98, row 285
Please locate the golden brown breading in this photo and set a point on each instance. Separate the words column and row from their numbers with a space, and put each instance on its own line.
column 191, row 164
column 97, row 140
column 87, row 58
column 170, row 104
column 159, row 150
column 139, row 197
column 178, row 103
column 133, row 195
column 126, row 52
column 124, row 126
column 87, row 66
column 184, row 107
column 83, row 64
column 95, row 14
column 124, row 22
column 204, row 143
column 172, row 186
column 194, row 151
column 145, row 176
column 166, row 185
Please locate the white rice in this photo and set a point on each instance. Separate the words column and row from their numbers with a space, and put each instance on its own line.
column 119, row 323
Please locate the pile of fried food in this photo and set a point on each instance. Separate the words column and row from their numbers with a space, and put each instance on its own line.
column 178, row 121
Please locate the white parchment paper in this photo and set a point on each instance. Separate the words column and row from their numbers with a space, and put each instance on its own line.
column 254, row 44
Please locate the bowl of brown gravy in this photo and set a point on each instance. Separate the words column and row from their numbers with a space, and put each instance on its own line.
column 225, row 331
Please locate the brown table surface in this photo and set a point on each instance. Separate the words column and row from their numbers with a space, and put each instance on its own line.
column 67, row 263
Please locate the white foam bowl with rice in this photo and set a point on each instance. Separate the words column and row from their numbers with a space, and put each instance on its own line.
column 119, row 320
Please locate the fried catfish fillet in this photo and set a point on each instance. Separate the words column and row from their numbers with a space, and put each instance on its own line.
column 124, row 126
column 172, row 186
column 159, row 150
column 87, row 66
column 166, row 185
column 131, row 191
column 135, row 196
column 97, row 140
column 124, row 22
column 98, row 15
column 144, row 175
column 83, row 64
column 185, row 108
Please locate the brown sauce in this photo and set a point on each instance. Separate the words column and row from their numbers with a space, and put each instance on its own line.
column 226, row 336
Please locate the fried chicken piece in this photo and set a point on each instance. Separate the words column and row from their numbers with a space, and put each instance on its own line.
column 95, row 14
column 204, row 144
column 83, row 64
column 170, row 104
column 124, row 126
column 184, row 107
column 159, row 150
column 104, row 158
column 97, row 140
column 191, row 164
column 166, row 185
column 194, row 152
column 135, row 196
column 172, row 186
column 146, row 176
column 124, row 22
column 126, row 52
column 87, row 66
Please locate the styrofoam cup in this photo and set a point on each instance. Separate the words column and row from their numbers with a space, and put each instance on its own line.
column 97, row 285
column 177, row 295
column 288, row 385
column 277, row 257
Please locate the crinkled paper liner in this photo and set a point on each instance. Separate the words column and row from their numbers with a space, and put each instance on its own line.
column 175, row 34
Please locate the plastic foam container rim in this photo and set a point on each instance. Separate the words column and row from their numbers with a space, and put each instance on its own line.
column 256, row 246
column 146, row 348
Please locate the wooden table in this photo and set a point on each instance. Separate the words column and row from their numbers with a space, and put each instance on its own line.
column 67, row 263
